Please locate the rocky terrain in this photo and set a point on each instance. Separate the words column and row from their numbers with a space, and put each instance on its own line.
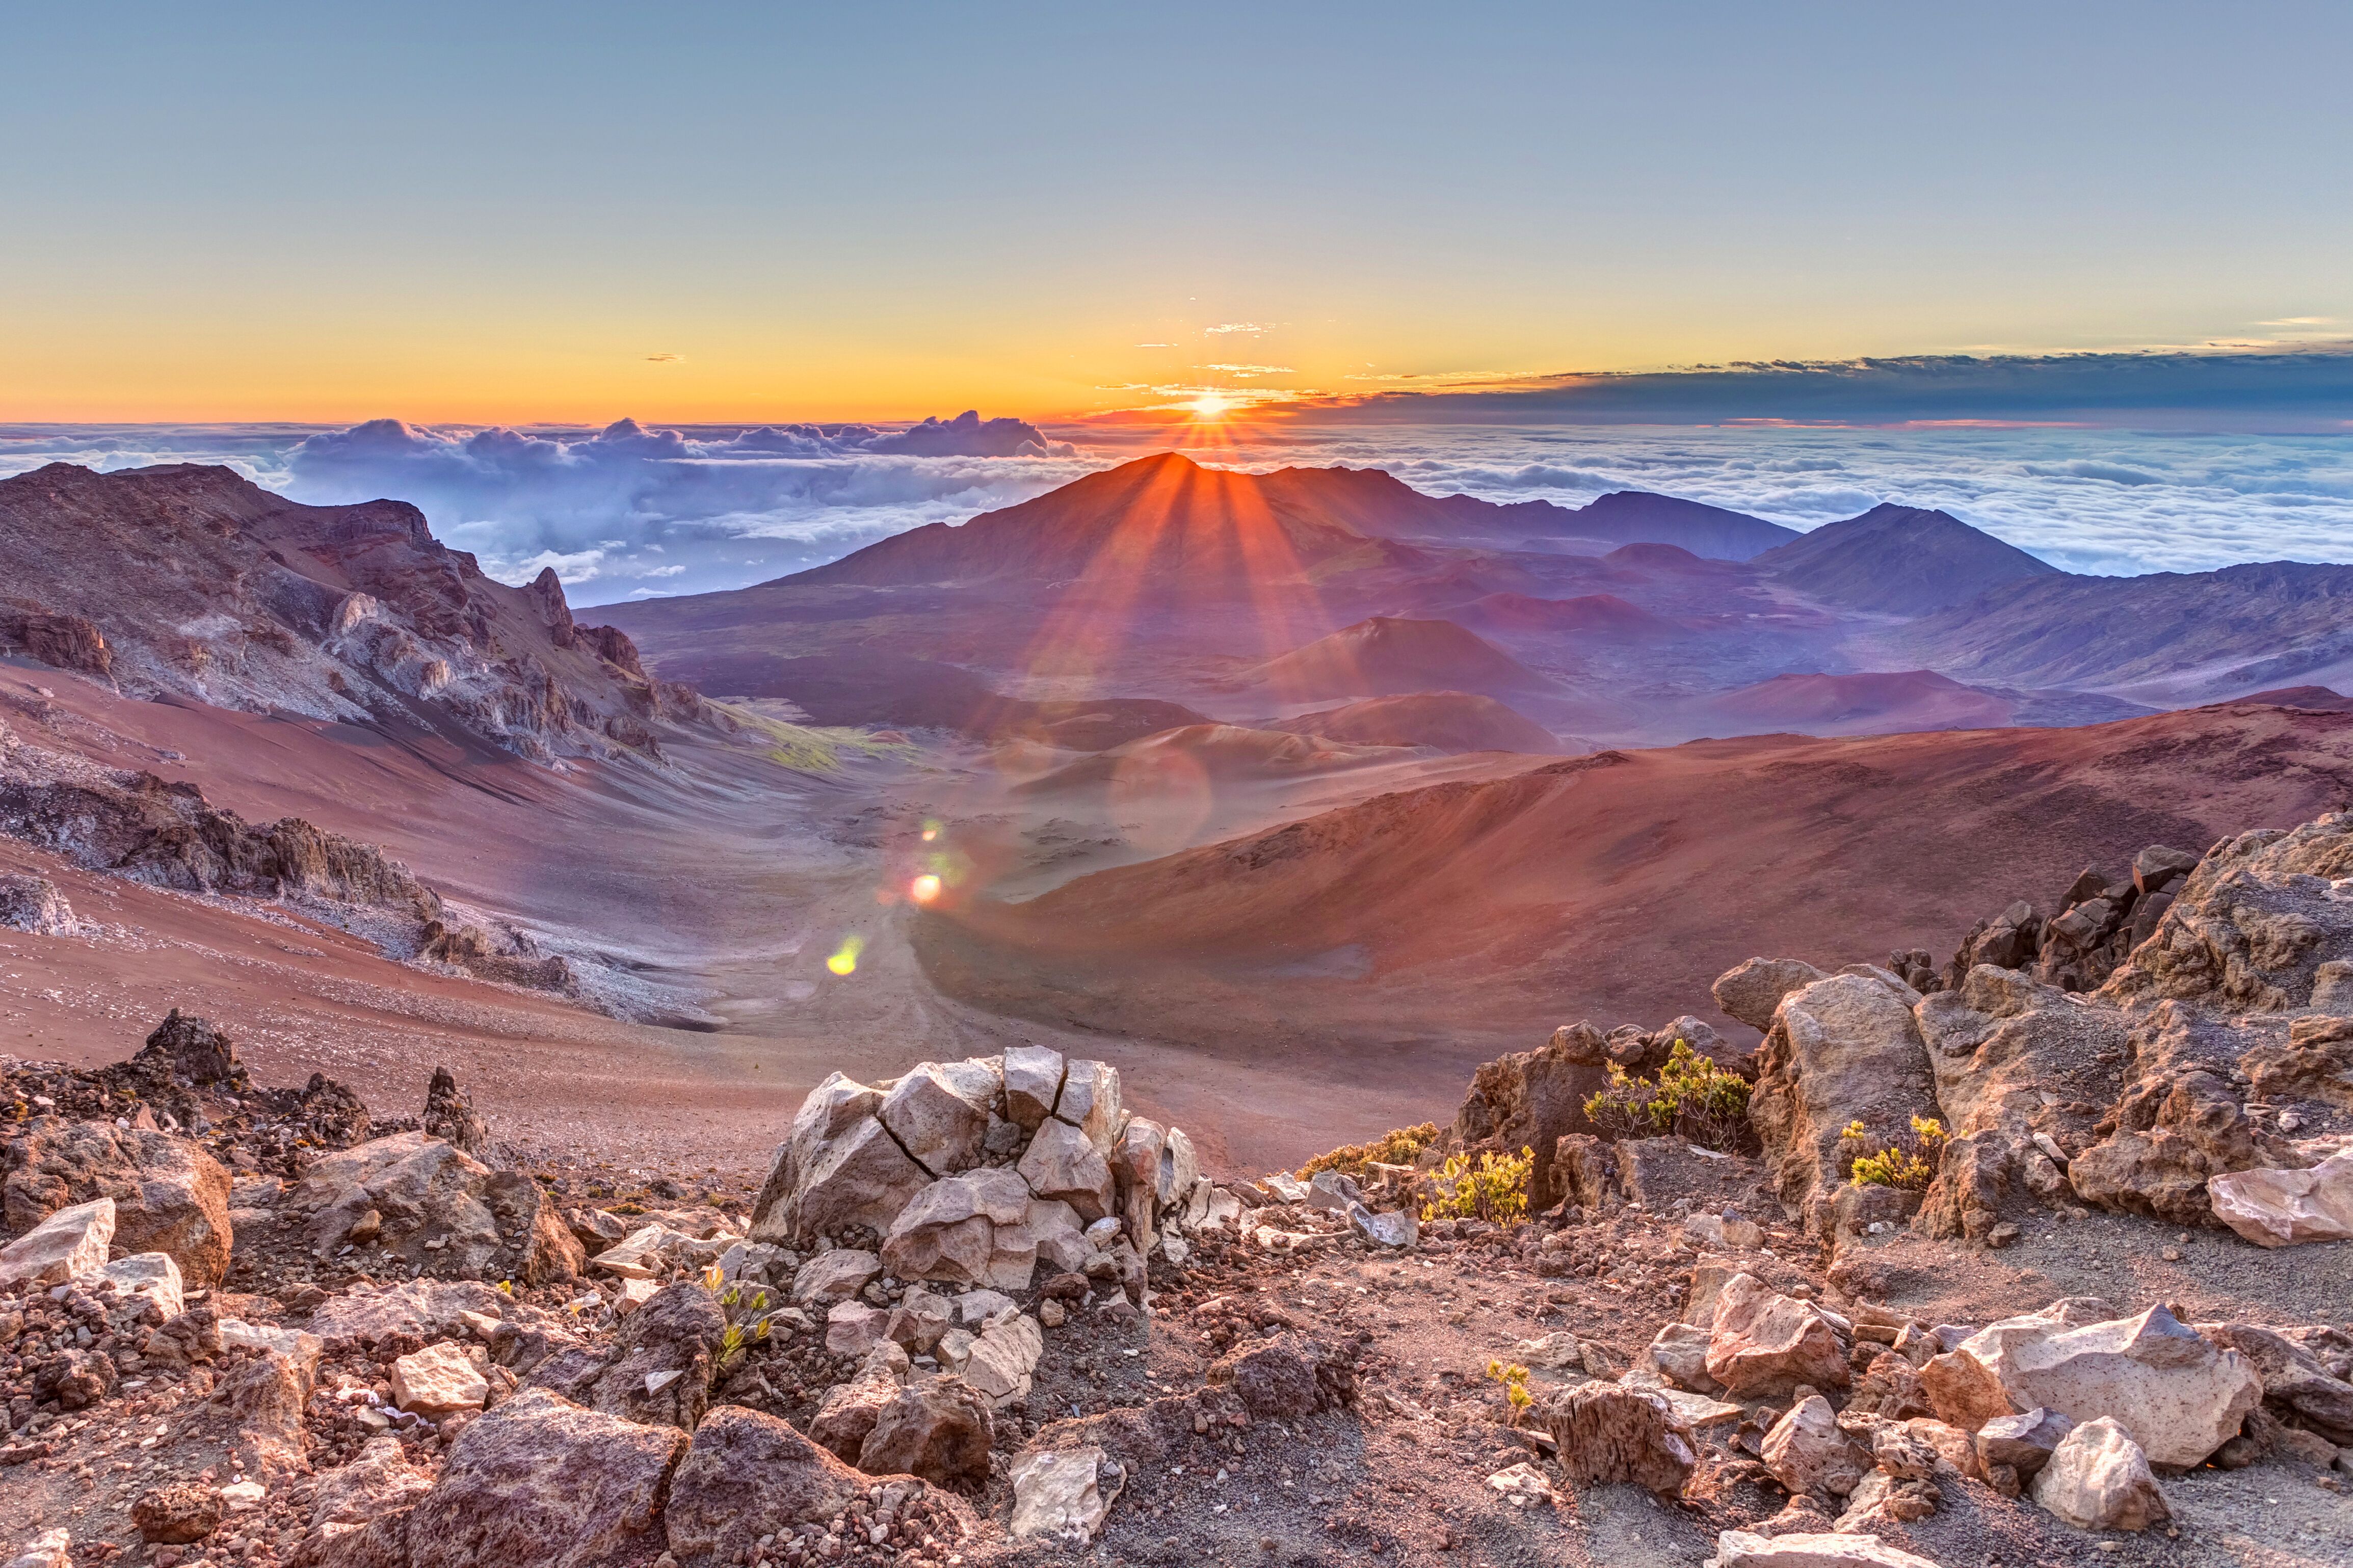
column 218, row 591
column 2040, row 1255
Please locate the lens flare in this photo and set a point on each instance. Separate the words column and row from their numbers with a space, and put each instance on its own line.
column 924, row 889
column 930, row 832
column 845, row 957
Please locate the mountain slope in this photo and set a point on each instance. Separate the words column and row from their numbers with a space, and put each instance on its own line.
column 194, row 582
column 1617, row 886
column 1901, row 559
column 1443, row 720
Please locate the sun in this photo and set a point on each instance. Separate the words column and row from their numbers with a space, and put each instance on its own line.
column 1212, row 405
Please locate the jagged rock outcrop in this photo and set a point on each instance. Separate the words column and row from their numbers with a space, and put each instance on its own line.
column 34, row 904
column 222, row 592
column 1842, row 1049
column 415, row 1198
column 2100, row 921
column 449, row 1116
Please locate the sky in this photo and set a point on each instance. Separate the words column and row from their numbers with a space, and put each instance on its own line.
column 525, row 214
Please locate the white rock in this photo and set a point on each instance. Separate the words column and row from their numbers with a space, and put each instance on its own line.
column 975, row 1307
column 853, row 1328
column 1033, row 1081
column 835, row 1276
column 2284, row 1208
column 1180, row 1169
column 637, row 1256
column 1741, row 1549
column 69, row 1242
column 437, row 1380
column 243, row 1497
column 2098, row 1479
column 293, row 1343
column 150, row 1274
column 1060, row 1164
column 1062, row 1245
column 2178, row 1396
column 939, row 1113
column 50, row 1549
column 1523, row 1485
column 1064, row 1494
column 1090, row 1102
column 1397, row 1227
column 634, row 1294
column 1000, row 1360
column 838, row 1167
column 1807, row 1452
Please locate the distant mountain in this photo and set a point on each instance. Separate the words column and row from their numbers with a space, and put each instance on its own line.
column 1606, row 615
column 2169, row 638
column 192, row 581
column 1901, row 559
column 1444, row 720
column 1386, row 656
column 1185, row 528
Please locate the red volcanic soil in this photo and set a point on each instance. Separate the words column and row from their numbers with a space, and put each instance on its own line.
column 1604, row 612
column 1448, row 922
column 2320, row 696
column 1447, row 720
column 1877, row 703
column 1386, row 656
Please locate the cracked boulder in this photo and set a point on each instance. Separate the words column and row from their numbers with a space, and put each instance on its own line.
column 1064, row 1166
column 747, row 1476
column 950, row 1231
column 838, row 1166
column 169, row 1195
column 1842, row 1049
column 938, row 1113
column 1764, row 1344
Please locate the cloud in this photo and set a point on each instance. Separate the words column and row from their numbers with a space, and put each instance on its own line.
column 1249, row 370
column 2255, row 388
column 666, row 358
column 1224, row 328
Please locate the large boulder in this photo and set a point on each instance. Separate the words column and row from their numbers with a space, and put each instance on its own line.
column 1532, row 1100
column 939, row 1113
column 1606, row 1432
column 169, row 1194
column 67, row 1243
column 1033, row 1083
column 2180, row 1395
column 381, row 1480
column 2098, row 1479
column 2283, row 1208
column 537, row 1482
column 1765, row 1345
column 2255, row 924
column 845, row 1416
column 436, row 1210
column 949, row 1230
column 749, row 1476
column 1752, row 990
column 2296, row 1384
column 836, row 1167
column 1842, row 1049
column 939, row 1429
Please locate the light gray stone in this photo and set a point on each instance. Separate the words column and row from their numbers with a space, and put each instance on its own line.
column 70, row 1242
column 1062, row 1164
column 2178, row 1396
column 2098, row 1479
column 1064, row 1495
column 939, row 1113
column 1033, row 1082
column 1090, row 1102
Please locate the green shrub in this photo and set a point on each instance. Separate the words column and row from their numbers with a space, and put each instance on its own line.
column 1400, row 1146
column 1909, row 1162
column 746, row 1310
column 1692, row 1097
column 1496, row 1189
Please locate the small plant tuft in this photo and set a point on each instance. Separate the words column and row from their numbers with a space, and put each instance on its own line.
column 1494, row 1189
column 1909, row 1162
column 1400, row 1146
column 1692, row 1097
column 1514, row 1380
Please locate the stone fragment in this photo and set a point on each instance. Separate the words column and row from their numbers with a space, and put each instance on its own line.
column 2023, row 1442
column 536, row 1480
column 1180, row 1170
column 1062, row 1164
column 178, row 1513
column 835, row 1276
column 34, row 904
column 50, row 1549
column 192, row 1050
column 1000, row 1360
column 2285, row 1209
column 418, row 1308
column 1680, row 1353
column 1889, row 1388
column 1393, row 1228
column 1033, row 1082
column 848, row 1410
column 678, row 1330
column 381, row 1480
column 1606, row 1432
column 1064, row 1494
column 68, row 1242
column 1744, row 1549
column 1963, row 1392
column 2296, row 1384
column 1807, row 1452
column 1135, row 1158
column 939, row 1114
column 1752, row 989
column 2098, row 1479
column 150, row 1274
column 1764, row 1344
column 940, row 1429
column 1090, row 1102
column 437, row 1380
column 974, row 1308
column 169, row 1194
column 2179, row 1396
column 1060, row 1239
column 853, row 1328
column 746, row 1477
column 1523, row 1485
column 918, row 1320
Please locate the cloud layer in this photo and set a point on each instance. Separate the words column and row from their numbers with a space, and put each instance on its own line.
column 630, row 512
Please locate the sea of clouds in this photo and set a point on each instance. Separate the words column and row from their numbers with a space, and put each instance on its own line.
column 630, row 512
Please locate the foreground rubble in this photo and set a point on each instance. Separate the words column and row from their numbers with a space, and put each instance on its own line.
column 984, row 1313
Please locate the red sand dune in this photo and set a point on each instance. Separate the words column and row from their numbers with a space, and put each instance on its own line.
column 1455, row 918
column 1387, row 656
column 1876, row 703
column 1447, row 720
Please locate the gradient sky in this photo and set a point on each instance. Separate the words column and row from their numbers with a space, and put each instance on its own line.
column 505, row 211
